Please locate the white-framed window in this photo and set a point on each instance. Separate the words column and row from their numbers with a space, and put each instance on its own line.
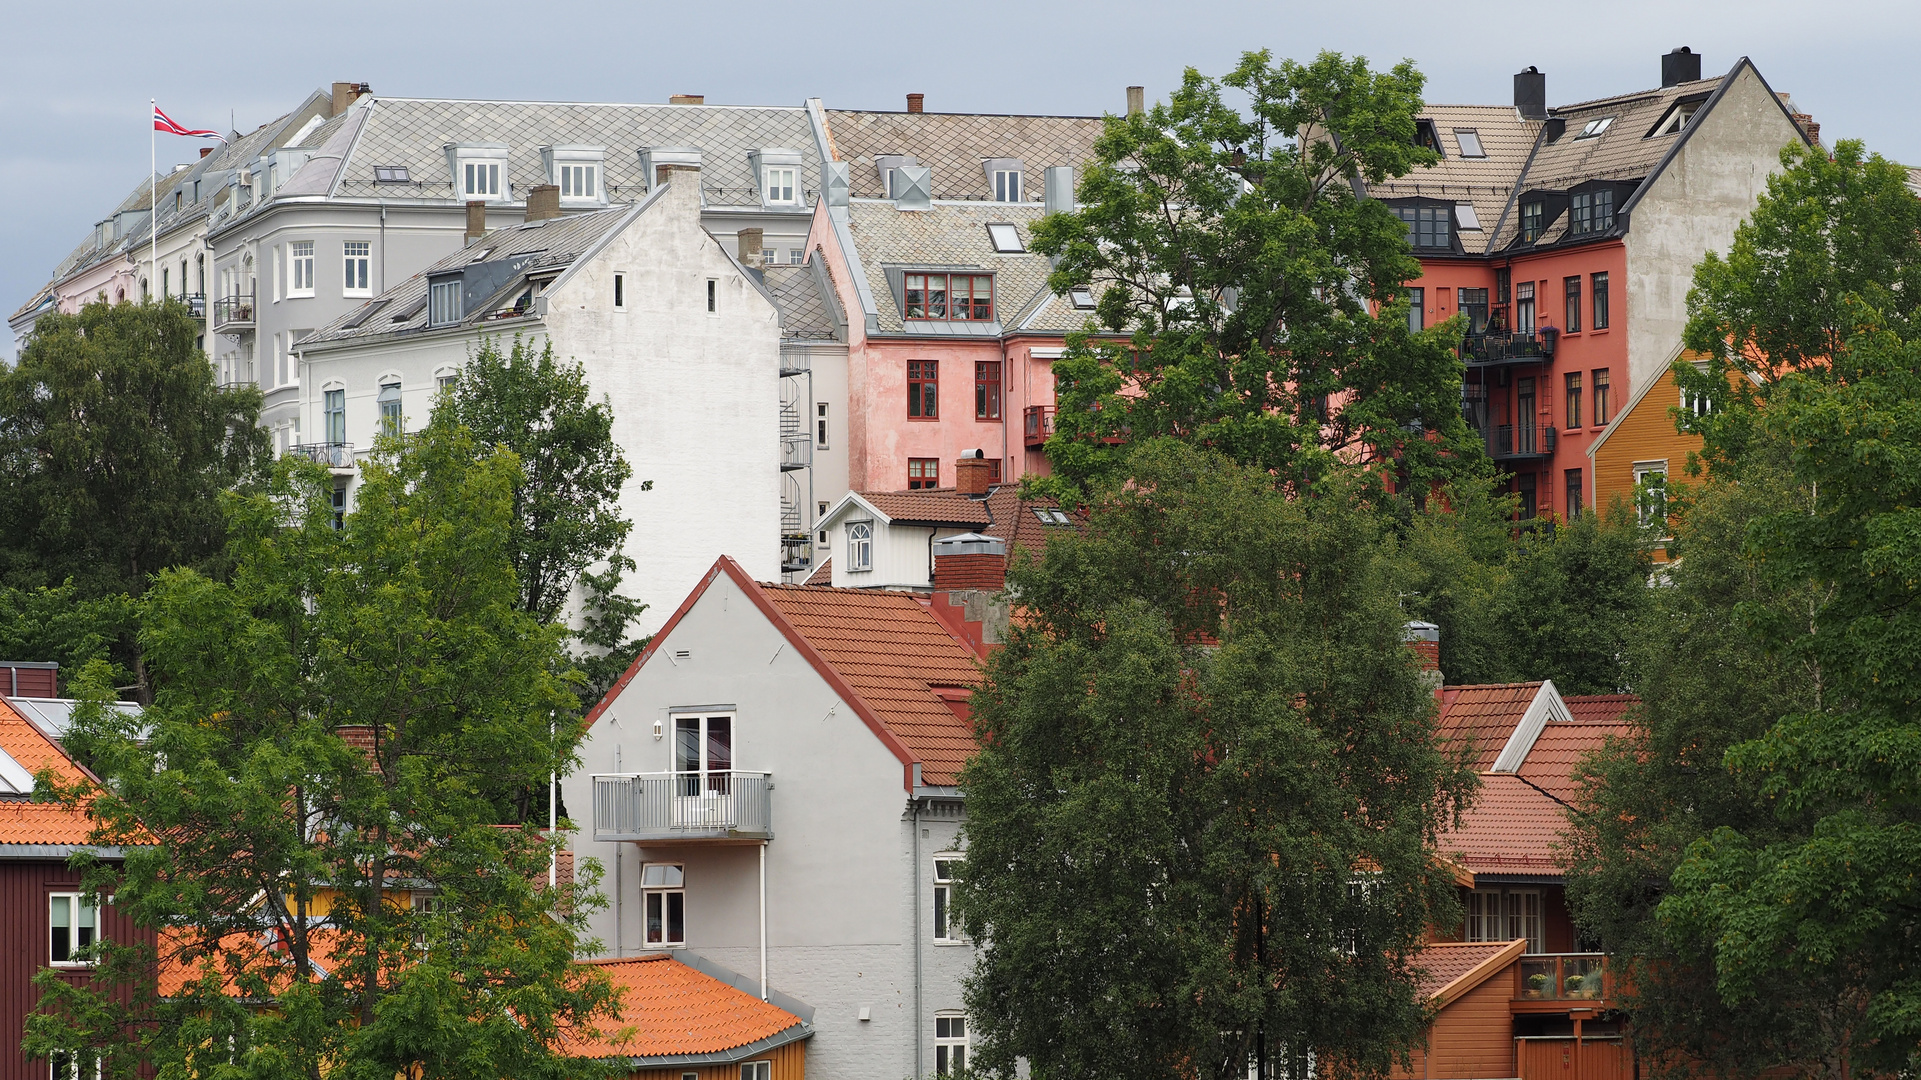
column 1697, row 403
column 769, row 256
column 579, row 180
column 65, row 1065
column 1495, row 914
column 950, row 1044
column 359, row 255
column 480, row 179
column 946, row 928
column 443, row 303
column 664, row 903
column 860, row 545
column 756, row 1070
column 72, row 926
column 334, row 416
column 389, row 401
column 444, row 380
column 620, row 292
column 1651, row 491
column 780, row 183
column 1007, row 185
column 820, row 428
column 1469, row 140
column 1005, row 238
column 300, row 268
column 796, row 256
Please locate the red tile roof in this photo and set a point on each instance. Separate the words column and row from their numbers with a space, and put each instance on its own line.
column 892, row 651
column 26, row 822
column 1600, row 708
column 670, row 1010
column 1452, row 968
column 1551, row 763
column 1484, row 716
column 941, row 506
column 1513, row 828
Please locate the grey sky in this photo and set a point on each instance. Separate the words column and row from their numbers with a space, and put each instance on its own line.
column 74, row 122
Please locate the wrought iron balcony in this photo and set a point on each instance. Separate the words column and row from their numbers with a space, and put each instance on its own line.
column 233, row 312
column 653, row 807
column 1507, row 442
column 334, row 455
column 1563, row 977
column 197, row 305
column 1038, row 423
column 1510, row 348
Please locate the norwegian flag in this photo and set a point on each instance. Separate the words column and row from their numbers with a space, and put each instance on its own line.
column 163, row 122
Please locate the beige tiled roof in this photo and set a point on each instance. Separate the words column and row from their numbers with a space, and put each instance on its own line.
column 955, row 145
column 1487, row 182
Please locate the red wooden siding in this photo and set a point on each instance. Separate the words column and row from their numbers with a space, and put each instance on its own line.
column 24, row 886
column 1561, row 1058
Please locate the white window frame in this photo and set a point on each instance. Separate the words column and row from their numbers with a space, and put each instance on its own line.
column 580, row 172
column 1005, row 238
column 333, row 408
column 66, row 1065
column 1007, row 185
column 1497, row 913
column 76, row 904
column 390, row 421
column 860, row 546
column 950, row 1050
column 780, row 185
column 489, row 164
column 946, row 930
column 444, row 303
column 1642, row 504
column 663, row 892
column 299, row 268
column 356, row 255
column 820, row 425
column 1472, row 135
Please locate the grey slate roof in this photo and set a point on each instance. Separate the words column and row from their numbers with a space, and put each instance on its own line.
column 415, row 131
column 950, row 236
column 955, row 145
column 798, row 292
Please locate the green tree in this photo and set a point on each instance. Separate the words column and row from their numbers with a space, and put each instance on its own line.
column 1202, row 821
column 327, row 726
column 568, row 527
column 1250, row 301
column 115, row 445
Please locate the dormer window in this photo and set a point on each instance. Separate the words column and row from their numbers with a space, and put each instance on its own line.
column 779, row 171
column 577, row 171
column 1428, row 227
column 443, row 302
column 957, row 297
column 1594, row 128
column 1591, row 212
column 1427, row 137
column 780, row 184
column 1532, row 214
column 1006, row 239
column 479, row 171
column 1470, row 143
column 579, row 181
column 1007, row 185
column 1676, row 117
column 480, row 179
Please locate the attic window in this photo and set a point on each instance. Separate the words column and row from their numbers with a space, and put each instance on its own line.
column 1006, row 239
column 1007, row 186
column 443, row 301
column 1427, row 137
column 1050, row 516
column 1470, row 143
column 1594, row 128
column 392, row 174
column 1465, row 216
column 1083, row 299
column 1676, row 118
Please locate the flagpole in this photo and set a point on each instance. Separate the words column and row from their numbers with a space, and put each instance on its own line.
column 153, row 196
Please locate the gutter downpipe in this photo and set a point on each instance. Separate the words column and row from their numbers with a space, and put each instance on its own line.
column 917, row 977
column 763, row 920
column 383, row 245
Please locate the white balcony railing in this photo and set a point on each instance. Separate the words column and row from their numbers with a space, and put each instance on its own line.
column 683, row 806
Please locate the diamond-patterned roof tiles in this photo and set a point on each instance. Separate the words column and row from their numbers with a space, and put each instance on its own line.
column 23, row 821
column 804, row 313
column 675, row 1011
column 893, row 652
column 953, row 235
column 957, row 145
column 1484, row 716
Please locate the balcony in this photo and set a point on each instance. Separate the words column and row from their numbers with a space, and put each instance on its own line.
column 1482, row 350
column 233, row 313
column 197, row 305
column 1563, row 977
column 334, row 455
column 1506, row 442
column 1038, row 424
column 668, row 807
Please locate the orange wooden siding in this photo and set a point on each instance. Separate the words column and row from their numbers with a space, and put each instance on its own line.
column 1472, row 1037
column 1556, row 1059
column 1645, row 433
column 789, row 1063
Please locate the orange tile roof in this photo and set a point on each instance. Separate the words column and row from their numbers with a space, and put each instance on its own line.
column 26, row 822
column 1512, row 828
column 1551, row 762
column 670, row 1010
column 1484, row 716
column 941, row 505
column 892, row 651
column 1014, row 520
column 1452, row 968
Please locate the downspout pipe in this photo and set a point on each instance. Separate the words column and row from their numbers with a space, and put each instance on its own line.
column 916, row 921
column 763, row 920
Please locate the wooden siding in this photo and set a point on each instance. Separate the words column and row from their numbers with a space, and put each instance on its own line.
column 24, row 887
column 789, row 1063
column 1557, row 1059
column 1472, row 1037
column 1645, row 433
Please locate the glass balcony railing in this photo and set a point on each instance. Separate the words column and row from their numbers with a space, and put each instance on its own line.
column 1564, row 977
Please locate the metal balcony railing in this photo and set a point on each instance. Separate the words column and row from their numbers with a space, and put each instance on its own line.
column 334, row 455
column 197, row 305
column 1507, row 441
column 796, row 451
column 1563, row 977
column 683, row 806
column 233, row 313
column 1038, row 423
column 1513, row 347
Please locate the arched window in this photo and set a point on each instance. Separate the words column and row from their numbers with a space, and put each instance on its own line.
column 860, row 545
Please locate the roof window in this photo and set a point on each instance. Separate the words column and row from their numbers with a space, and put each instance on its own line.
column 1470, row 143
column 392, row 174
column 1427, row 226
column 578, row 171
column 1594, row 128
column 1083, row 299
column 1050, row 516
column 1676, row 117
column 1006, row 239
column 1428, row 137
column 1466, row 218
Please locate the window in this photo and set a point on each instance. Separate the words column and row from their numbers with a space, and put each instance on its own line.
column 1006, row 239
column 923, row 389
column 1651, row 491
column 769, row 256
column 67, row 1066
column 1051, row 516
column 820, row 428
column 713, row 287
column 166, row 281
column 1573, row 290
column 860, row 545
column 578, row 181
column 1604, row 210
column 340, row 504
column 1601, row 404
column 443, row 303
column 443, row 382
column 1531, row 224
column 334, row 423
column 1591, row 212
column 945, row 928
column 780, row 185
column 480, row 179
column 1524, row 307
column 1082, row 299
column 1676, row 118
column 357, row 260
column 796, row 256
column 1697, row 403
column 664, row 899
column 300, row 268
column 923, row 472
column 389, row 400
column 1571, row 389
column 392, row 174
column 620, row 292
column 950, row 1045
column 1594, row 128
column 71, row 921
column 1466, row 218
column 972, row 296
column 1506, row 915
column 1501, row 275
column 1600, row 302
column 1473, row 304
column 1576, row 494
column 1416, row 310
column 1470, row 143
column 1524, row 486
column 1007, row 185
column 756, row 1070
column 987, row 390
column 1428, row 226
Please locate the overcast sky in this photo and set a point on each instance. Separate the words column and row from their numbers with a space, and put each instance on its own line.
column 73, row 106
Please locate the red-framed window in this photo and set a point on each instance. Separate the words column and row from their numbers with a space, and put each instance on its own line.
column 923, row 389
column 968, row 297
column 987, row 390
column 923, row 472
column 993, row 470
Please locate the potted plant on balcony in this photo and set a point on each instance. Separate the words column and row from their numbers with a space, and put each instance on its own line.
column 1537, row 984
column 1574, row 984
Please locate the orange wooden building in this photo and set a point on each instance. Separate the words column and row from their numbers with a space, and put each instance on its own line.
column 678, row 1023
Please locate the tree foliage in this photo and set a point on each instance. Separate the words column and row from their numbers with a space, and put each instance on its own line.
column 1201, row 825
column 1246, row 299
column 328, row 725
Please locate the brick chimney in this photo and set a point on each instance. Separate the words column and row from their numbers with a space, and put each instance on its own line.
column 543, row 202
column 914, row 102
column 970, row 561
column 747, row 242
column 686, row 99
column 1424, row 640
column 476, row 221
column 205, row 150
column 667, row 174
column 1136, row 100
column 973, row 474
column 345, row 94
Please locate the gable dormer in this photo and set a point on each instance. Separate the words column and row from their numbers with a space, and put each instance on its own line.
column 580, row 172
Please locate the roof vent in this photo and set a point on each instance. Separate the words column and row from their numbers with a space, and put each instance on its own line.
column 1530, row 94
column 837, row 183
column 1679, row 66
column 913, row 188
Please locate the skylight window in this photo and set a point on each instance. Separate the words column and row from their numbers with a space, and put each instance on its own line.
column 1465, row 216
column 1676, row 118
column 1470, row 144
column 1050, row 516
column 1006, row 239
column 1083, row 298
column 1594, row 128
column 392, row 174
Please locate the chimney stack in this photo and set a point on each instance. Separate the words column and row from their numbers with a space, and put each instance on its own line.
column 543, row 202
column 345, row 93
column 476, row 221
column 914, row 102
column 1681, row 65
column 1424, row 640
column 686, row 99
column 973, row 474
column 205, row 150
column 1136, row 100
column 1530, row 94
column 748, row 242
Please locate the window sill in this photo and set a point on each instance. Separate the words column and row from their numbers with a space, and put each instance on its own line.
column 940, row 943
column 1599, row 330
column 987, row 419
column 923, row 419
column 298, row 296
column 73, row 965
column 665, row 945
